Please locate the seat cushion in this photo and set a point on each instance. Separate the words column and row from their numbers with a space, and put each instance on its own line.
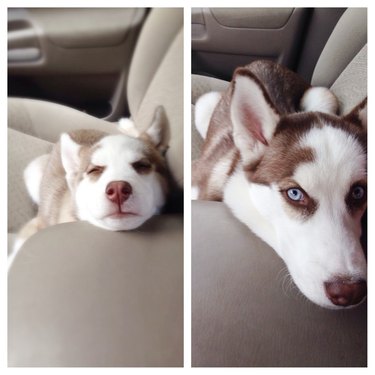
column 351, row 85
column 83, row 296
column 166, row 89
column 202, row 84
column 347, row 39
column 156, row 78
column 247, row 312
column 45, row 120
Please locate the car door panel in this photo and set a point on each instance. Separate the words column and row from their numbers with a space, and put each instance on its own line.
column 75, row 56
column 224, row 38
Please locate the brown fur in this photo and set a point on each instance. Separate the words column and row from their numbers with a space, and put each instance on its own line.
column 275, row 81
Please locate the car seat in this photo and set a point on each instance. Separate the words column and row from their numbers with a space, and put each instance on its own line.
column 82, row 296
column 245, row 310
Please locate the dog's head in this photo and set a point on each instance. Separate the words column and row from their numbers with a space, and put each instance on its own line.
column 117, row 181
column 307, row 176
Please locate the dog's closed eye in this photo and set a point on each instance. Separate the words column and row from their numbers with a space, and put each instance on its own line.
column 142, row 166
column 95, row 170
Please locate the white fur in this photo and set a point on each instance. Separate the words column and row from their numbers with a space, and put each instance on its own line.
column 325, row 245
column 117, row 153
column 127, row 126
column 194, row 192
column 204, row 108
column 319, row 99
column 237, row 197
column 33, row 176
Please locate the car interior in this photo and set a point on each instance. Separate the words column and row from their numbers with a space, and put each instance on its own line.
column 245, row 312
column 79, row 295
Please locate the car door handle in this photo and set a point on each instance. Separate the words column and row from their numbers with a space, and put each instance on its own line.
column 23, row 42
column 24, row 54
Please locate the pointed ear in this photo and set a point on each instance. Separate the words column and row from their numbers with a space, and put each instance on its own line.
column 358, row 115
column 157, row 132
column 253, row 115
column 69, row 155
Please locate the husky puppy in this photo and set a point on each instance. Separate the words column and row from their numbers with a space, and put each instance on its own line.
column 115, row 182
column 294, row 172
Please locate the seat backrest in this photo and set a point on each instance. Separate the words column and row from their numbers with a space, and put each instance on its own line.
column 342, row 65
column 156, row 78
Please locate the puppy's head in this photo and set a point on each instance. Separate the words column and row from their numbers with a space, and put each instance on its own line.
column 307, row 175
column 117, row 181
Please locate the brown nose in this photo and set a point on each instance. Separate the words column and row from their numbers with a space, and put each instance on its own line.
column 344, row 292
column 118, row 191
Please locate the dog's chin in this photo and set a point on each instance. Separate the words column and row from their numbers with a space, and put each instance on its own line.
column 119, row 221
column 329, row 305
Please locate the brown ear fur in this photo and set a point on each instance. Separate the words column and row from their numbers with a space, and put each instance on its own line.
column 158, row 131
column 358, row 115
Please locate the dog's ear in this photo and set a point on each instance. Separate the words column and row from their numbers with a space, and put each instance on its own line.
column 157, row 133
column 69, row 157
column 358, row 115
column 254, row 116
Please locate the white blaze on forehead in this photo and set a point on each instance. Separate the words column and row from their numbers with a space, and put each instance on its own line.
column 118, row 147
column 339, row 161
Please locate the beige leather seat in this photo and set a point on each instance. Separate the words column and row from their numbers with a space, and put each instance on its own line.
column 245, row 312
column 82, row 296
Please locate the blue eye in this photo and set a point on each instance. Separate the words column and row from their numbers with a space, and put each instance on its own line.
column 358, row 192
column 295, row 194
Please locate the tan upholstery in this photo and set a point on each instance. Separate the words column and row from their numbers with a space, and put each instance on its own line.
column 152, row 49
column 83, row 296
column 47, row 120
column 166, row 88
column 347, row 39
column 160, row 83
column 355, row 77
column 200, row 85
